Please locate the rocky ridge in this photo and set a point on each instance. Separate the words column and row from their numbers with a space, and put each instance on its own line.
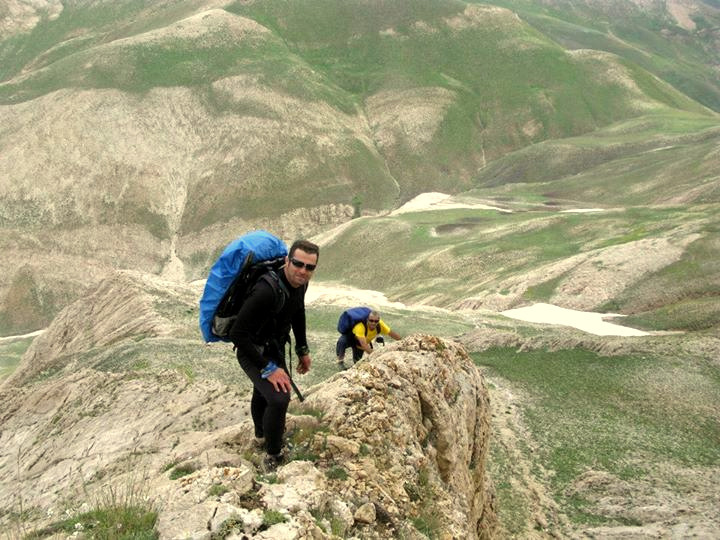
column 402, row 437
column 101, row 404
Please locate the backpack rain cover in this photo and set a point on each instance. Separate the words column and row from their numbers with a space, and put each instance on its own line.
column 350, row 317
column 263, row 245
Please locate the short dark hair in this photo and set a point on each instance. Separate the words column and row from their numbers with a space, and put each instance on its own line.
column 306, row 246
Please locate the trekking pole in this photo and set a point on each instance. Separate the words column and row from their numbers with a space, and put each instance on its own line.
column 297, row 390
column 292, row 383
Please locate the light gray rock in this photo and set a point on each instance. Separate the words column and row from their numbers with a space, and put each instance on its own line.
column 365, row 514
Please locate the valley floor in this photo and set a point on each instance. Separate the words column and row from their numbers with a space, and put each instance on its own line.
column 626, row 508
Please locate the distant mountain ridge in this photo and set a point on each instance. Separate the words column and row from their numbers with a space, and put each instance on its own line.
column 147, row 135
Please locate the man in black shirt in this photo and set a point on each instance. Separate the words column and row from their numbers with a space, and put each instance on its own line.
column 260, row 334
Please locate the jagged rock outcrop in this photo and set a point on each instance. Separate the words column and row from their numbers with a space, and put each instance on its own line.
column 103, row 392
column 394, row 447
column 121, row 306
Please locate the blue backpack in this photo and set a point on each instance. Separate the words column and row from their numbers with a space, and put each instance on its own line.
column 247, row 259
column 350, row 317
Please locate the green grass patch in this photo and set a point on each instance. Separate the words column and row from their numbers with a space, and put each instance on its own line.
column 189, row 356
column 449, row 265
column 300, row 442
column 141, row 65
column 684, row 295
column 542, row 292
column 216, row 490
column 181, row 470
column 694, row 315
column 656, row 157
column 122, row 514
column 427, row 519
column 11, row 352
column 512, row 509
column 328, row 522
column 608, row 413
column 75, row 29
column 136, row 522
column 273, row 517
column 636, row 37
column 336, row 473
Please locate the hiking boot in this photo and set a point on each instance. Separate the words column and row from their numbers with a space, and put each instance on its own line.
column 272, row 462
column 259, row 443
column 341, row 365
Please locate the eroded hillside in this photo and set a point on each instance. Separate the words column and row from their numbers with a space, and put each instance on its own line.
column 120, row 396
column 409, row 430
column 146, row 136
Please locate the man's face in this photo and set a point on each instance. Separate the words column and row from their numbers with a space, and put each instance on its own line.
column 373, row 321
column 299, row 268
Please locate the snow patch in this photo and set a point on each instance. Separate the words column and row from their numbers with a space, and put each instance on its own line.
column 590, row 322
column 439, row 201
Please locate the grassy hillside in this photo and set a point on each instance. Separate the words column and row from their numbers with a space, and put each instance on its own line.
column 258, row 119
column 509, row 85
column 504, row 85
column 10, row 354
column 143, row 132
column 607, row 434
column 622, row 259
column 677, row 42
column 427, row 93
column 79, row 28
column 664, row 158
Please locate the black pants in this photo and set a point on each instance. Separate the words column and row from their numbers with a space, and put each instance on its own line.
column 348, row 341
column 268, row 407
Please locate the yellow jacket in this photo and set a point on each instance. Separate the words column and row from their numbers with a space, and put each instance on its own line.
column 359, row 330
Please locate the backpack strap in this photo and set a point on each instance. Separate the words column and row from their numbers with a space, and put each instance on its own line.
column 278, row 287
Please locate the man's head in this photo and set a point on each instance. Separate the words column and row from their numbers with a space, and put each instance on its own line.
column 373, row 319
column 301, row 262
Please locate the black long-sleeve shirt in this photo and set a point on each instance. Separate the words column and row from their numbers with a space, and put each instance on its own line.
column 258, row 326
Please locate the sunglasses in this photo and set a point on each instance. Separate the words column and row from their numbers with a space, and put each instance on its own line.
column 374, row 320
column 300, row 264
